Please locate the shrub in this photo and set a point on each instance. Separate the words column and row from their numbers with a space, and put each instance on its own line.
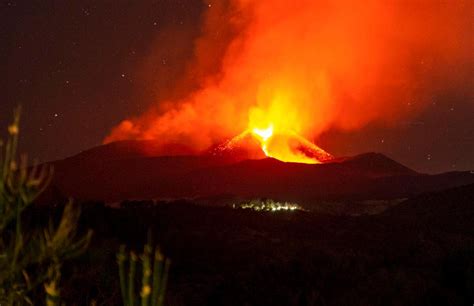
column 154, row 272
column 31, row 257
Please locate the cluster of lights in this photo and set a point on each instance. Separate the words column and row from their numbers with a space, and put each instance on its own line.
column 268, row 205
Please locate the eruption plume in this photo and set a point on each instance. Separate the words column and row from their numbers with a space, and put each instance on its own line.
column 289, row 70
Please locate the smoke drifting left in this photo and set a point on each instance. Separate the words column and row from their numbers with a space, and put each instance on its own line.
column 308, row 66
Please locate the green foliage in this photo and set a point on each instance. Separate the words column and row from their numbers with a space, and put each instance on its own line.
column 154, row 276
column 30, row 257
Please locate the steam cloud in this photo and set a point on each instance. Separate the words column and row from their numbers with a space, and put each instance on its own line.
column 314, row 65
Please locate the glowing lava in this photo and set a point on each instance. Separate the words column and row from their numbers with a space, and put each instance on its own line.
column 273, row 132
column 284, row 145
column 263, row 135
column 288, row 146
column 277, row 127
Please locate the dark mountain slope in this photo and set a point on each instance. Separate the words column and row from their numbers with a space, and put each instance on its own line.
column 130, row 170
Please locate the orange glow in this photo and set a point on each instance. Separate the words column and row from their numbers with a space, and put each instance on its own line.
column 263, row 134
column 290, row 147
column 287, row 71
column 287, row 146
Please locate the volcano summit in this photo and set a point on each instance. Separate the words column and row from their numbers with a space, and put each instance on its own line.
column 286, row 146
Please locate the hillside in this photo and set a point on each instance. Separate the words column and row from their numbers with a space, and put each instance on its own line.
column 130, row 170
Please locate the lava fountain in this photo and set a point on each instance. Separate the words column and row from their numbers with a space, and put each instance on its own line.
column 277, row 138
column 288, row 146
column 279, row 134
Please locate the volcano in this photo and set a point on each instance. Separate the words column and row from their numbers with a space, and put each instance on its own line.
column 124, row 170
column 286, row 146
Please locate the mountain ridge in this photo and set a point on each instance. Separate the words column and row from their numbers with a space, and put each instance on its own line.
column 131, row 170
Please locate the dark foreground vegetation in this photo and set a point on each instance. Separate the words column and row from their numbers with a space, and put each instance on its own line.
column 419, row 252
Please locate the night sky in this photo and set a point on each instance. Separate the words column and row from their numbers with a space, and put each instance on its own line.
column 80, row 67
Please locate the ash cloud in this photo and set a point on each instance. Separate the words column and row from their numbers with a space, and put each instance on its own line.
column 314, row 65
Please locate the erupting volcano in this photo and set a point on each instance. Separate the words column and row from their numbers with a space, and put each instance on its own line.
column 276, row 74
column 286, row 146
column 271, row 134
column 279, row 139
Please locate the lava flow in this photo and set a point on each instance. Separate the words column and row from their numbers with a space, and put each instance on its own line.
column 288, row 146
column 284, row 145
column 278, row 134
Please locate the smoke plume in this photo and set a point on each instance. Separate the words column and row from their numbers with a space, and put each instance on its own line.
column 308, row 66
